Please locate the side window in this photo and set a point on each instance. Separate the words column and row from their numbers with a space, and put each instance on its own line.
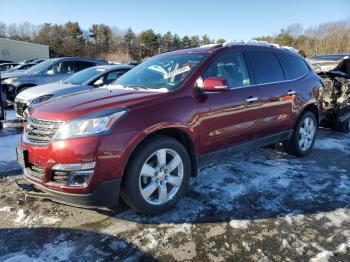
column 232, row 67
column 67, row 67
column 83, row 64
column 266, row 67
column 122, row 72
column 294, row 67
column 110, row 77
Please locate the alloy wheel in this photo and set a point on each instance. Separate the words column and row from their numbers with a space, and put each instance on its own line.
column 306, row 133
column 161, row 176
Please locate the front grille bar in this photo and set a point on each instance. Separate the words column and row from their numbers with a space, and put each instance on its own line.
column 41, row 131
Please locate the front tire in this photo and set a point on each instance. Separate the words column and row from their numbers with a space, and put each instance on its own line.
column 157, row 176
column 303, row 137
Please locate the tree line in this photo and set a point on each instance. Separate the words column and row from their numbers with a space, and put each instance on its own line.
column 100, row 40
column 103, row 41
column 327, row 38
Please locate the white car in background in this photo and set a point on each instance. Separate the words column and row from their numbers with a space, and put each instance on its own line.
column 84, row 80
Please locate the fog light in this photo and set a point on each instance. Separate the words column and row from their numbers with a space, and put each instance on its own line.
column 74, row 167
column 80, row 178
column 78, row 174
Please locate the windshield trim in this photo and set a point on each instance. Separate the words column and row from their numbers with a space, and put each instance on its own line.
column 48, row 63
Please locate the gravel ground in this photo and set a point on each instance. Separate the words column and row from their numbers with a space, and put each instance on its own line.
column 262, row 205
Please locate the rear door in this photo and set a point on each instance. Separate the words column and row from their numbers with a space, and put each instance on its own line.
column 228, row 118
column 277, row 94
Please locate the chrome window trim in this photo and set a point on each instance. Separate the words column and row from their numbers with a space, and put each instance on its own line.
column 268, row 83
column 286, row 80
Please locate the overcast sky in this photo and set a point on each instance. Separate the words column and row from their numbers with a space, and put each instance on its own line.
column 232, row 20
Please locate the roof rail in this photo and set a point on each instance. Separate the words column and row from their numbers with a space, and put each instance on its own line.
column 260, row 43
column 210, row 45
column 230, row 43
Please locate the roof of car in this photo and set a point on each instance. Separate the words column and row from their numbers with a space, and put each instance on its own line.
column 78, row 58
column 251, row 45
column 114, row 66
column 9, row 64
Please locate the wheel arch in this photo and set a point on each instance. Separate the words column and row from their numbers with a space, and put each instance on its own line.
column 313, row 108
column 179, row 133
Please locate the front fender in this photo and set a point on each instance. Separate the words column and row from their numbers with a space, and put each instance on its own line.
column 154, row 129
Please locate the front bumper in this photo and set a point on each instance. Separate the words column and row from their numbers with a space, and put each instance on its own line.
column 102, row 189
column 106, row 195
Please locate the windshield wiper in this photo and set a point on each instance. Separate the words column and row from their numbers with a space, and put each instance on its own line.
column 138, row 87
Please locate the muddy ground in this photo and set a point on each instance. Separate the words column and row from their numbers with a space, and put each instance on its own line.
column 262, row 205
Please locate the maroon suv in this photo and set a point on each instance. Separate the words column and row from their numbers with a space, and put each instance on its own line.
column 144, row 136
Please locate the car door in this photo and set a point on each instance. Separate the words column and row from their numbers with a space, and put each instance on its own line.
column 277, row 95
column 227, row 118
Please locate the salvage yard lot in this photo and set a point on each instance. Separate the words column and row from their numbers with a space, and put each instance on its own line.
column 260, row 205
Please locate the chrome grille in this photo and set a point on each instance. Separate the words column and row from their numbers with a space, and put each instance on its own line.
column 40, row 131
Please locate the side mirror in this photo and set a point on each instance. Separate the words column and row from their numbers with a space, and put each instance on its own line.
column 215, row 84
column 50, row 72
column 99, row 82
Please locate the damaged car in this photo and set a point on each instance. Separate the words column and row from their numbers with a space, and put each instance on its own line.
column 335, row 72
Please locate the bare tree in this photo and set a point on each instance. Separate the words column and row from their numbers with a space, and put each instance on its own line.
column 3, row 29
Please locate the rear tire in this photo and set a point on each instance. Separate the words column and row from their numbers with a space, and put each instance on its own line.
column 157, row 176
column 303, row 137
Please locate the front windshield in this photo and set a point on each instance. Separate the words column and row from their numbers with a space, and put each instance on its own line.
column 18, row 67
column 83, row 76
column 39, row 67
column 165, row 71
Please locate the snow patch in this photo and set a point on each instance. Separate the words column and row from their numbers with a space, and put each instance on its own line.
column 239, row 224
column 322, row 256
column 332, row 144
column 8, row 158
column 50, row 220
column 21, row 216
column 49, row 252
column 5, row 209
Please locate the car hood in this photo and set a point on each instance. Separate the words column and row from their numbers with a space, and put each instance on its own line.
column 17, row 73
column 48, row 89
column 75, row 105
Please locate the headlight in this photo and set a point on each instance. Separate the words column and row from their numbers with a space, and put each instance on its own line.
column 9, row 81
column 40, row 99
column 87, row 126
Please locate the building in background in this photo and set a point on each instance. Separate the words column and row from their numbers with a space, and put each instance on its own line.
column 16, row 51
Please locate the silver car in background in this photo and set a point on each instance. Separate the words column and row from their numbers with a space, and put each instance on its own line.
column 84, row 80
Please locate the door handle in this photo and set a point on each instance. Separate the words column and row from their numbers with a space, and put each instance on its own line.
column 252, row 99
column 291, row 92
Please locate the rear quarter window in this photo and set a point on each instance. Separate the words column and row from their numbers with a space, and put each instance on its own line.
column 266, row 67
column 294, row 67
